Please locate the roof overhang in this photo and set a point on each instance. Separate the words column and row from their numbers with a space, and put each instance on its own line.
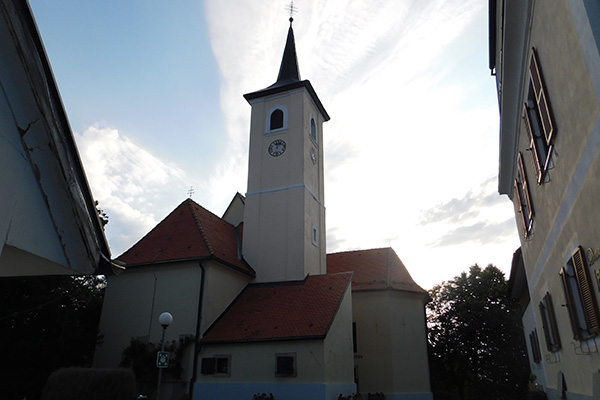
column 43, row 143
column 279, row 88
column 511, row 49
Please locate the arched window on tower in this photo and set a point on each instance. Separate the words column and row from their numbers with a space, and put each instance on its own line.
column 276, row 119
column 313, row 129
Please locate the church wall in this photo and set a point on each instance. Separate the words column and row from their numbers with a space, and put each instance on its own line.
column 222, row 287
column 339, row 363
column 391, row 352
column 253, row 367
column 134, row 300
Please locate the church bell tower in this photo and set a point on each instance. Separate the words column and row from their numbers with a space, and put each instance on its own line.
column 284, row 216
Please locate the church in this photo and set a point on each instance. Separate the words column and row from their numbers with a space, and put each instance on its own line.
column 265, row 308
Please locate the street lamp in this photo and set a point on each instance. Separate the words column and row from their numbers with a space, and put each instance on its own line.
column 165, row 319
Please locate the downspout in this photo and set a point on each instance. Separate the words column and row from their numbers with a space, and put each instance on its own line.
column 197, row 346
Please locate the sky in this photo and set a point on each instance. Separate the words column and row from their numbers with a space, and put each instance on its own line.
column 153, row 91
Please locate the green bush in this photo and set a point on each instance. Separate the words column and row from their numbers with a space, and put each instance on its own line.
column 90, row 384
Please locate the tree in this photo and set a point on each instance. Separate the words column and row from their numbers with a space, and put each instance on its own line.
column 140, row 356
column 476, row 345
column 46, row 323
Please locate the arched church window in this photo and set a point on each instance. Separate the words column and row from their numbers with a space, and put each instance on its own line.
column 313, row 129
column 276, row 119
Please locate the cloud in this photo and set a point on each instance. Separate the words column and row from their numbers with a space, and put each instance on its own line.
column 479, row 217
column 482, row 233
column 132, row 185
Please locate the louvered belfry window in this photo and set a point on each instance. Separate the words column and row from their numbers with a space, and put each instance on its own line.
column 523, row 198
column 581, row 300
column 539, row 123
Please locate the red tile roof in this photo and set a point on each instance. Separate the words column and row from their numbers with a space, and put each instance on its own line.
column 375, row 269
column 281, row 310
column 189, row 232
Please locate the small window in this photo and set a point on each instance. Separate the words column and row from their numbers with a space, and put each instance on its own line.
column 315, row 236
column 539, row 123
column 217, row 365
column 313, row 129
column 286, row 365
column 581, row 301
column 276, row 119
column 535, row 346
column 524, row 203
column 549, row 323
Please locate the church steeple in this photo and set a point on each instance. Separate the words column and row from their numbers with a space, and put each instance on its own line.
column 284, row 213
column 288, row 71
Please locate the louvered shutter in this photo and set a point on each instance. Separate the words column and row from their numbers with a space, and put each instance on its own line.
column 586, row 291
column 571, row 308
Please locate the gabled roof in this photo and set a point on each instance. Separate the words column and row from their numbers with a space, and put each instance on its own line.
column 375, row 269
column 189, row 232
column 281, row 311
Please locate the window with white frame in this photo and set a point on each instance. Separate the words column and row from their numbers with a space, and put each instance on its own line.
column 539, row 123
column 523, row 198
column 579, row 293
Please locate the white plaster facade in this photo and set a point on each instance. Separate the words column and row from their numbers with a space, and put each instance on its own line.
column 391, row 352
column 564, row 35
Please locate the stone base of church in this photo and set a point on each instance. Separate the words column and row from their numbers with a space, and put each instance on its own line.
column 287, row 391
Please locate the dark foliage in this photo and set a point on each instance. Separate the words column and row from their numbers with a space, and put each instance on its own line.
column 90, row 384
column 140, row 357
column 476, row 345
column 46, row 323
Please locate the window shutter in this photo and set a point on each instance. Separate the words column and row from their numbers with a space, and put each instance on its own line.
column 540, row 95
column 570, row 304
column 521, row 211
column 586, row 291
column 553, row 323
column 525, row 190
column 208, row 366
column 545, row 326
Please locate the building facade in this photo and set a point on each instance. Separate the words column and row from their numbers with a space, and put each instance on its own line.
column 545, row 57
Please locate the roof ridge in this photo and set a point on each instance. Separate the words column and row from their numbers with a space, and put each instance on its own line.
column 199, row 225
column 360, row 250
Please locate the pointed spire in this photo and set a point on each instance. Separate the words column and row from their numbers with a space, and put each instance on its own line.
column 289, row 72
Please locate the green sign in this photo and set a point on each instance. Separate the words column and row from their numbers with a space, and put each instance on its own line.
column 162, row 359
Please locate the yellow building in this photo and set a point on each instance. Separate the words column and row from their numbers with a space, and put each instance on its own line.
column 545, row 56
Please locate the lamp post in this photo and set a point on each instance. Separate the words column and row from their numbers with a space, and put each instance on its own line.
column 165, row 319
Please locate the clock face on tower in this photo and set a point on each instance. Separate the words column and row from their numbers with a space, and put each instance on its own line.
column 277, row 148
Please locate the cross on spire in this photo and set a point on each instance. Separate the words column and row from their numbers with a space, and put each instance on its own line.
column 292, row 10
column 191, row 191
